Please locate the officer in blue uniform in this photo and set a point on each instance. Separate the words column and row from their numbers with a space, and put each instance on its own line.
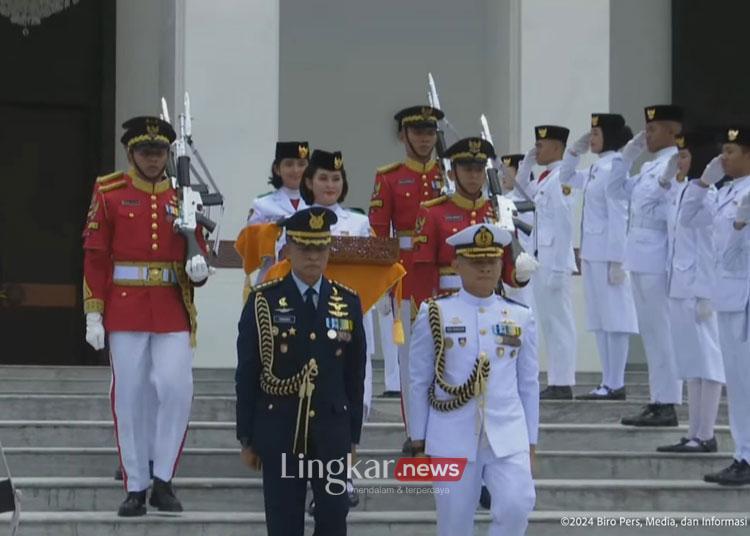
column 300, row 382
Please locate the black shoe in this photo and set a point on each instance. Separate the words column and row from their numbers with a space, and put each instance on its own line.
column 353, row 494
column 557, row 392
column 134, row 505
column 391, row 394
column 653, row 415
column 406, row 447
column 683, row 447
column 118, row 471
column 163, row 497
column 737, row 474
column 485, row 499
column 604, row 393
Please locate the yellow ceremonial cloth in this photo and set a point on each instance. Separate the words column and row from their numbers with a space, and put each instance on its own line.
column 255, row 242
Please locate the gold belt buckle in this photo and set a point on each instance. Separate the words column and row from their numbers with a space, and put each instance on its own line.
column 154, row 275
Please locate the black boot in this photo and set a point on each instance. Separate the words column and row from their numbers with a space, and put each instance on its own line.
column 737, row 474
column 557, row 392
column 391, row 394
column 485, row 499
column 709, row 445
column 163, row 497
column 134, row 504
column 406, row 447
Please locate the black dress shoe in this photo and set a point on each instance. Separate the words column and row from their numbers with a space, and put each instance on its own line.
column 737, row 474
column 710, row 445
column 604, row 393
column 391, row 394
column 653, row 415
column 352, row 493
column 163, row 497
column 406, row 447
column 557, row 392
column 134, row 504
column 701, row 447
column 677, row 447
column 485, row 499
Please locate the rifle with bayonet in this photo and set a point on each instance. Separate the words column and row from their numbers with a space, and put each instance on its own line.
column 192, row 198
column 506, row 211
column 440, row 146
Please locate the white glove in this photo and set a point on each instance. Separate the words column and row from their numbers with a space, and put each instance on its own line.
column 634, row 148
column 95, row 330
column 615, row 274
column 703, row 309
column 384, row 306
column 526, row 265
column 743, row 210
column 529, row 158
column 581, row 145
column 714, row 171
column 556, row 280
column 670, row 172
column 197, row 269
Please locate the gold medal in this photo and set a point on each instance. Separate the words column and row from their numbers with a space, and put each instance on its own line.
column 331, row 333
column 275, row 330
column 448, row 343
column 500, row 351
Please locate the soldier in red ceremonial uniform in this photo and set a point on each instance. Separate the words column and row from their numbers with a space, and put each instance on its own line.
column 138, row 288
column 440, row 218
column 399, row 189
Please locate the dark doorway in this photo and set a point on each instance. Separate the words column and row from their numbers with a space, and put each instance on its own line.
column 56, row 125
column 710, row 75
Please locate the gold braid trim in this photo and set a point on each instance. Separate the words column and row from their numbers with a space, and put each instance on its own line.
column 186, row 289
column 462, row 394
column 302, row 383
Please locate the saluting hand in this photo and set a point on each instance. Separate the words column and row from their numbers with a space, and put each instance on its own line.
column 670, row 172
column 713, row 173
column 634, row 148
column 581, row 145
column 251, row 459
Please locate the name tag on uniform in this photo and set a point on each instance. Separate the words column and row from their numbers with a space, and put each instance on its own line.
column 406, row 181
column 456, row 217
column 455, row 329
column 131, row 202
column 284, row 319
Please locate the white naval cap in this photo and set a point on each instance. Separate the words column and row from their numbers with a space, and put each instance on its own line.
column 480, row 240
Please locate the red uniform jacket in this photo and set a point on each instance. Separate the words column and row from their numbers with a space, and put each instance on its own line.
column 436, row 221
column 130, row 222
column 399, row 190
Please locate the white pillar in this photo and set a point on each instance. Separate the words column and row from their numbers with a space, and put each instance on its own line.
column 231, row 71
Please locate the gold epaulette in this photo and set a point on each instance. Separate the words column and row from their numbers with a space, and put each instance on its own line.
column 267, row 284
column 351, row 290
column 107, row 178
column 434, row 202
column 104, row 188
column 447, row 294
column 388, row 168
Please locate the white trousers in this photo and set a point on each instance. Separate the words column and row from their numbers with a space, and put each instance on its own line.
column 737, row 366
column 652, row 308
column 144, row 363
column 403, row 361
column 508, row 480
column 390, row 349
column 613, row 354
column 554, row 314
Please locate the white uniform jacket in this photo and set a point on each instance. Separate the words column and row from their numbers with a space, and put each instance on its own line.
column 646, row 244
column 730, row 288
column 508, row 411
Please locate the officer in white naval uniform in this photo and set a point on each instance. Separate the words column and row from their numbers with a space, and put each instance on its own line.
column 646, row 259
column 610, row 310
column 730, row 214
column 695, row 331
column 510, row 164
column 552, row 238
column 290, row 160
column 474, row 390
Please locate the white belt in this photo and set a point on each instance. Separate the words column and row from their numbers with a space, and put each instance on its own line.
column 405, row 242
column 648, row 223
column 143, row 275
column 448, row 282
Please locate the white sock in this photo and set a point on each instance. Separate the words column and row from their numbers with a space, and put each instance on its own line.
column 694, row 406
column 601, row 345
column 617, row 354
column 709, row 409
